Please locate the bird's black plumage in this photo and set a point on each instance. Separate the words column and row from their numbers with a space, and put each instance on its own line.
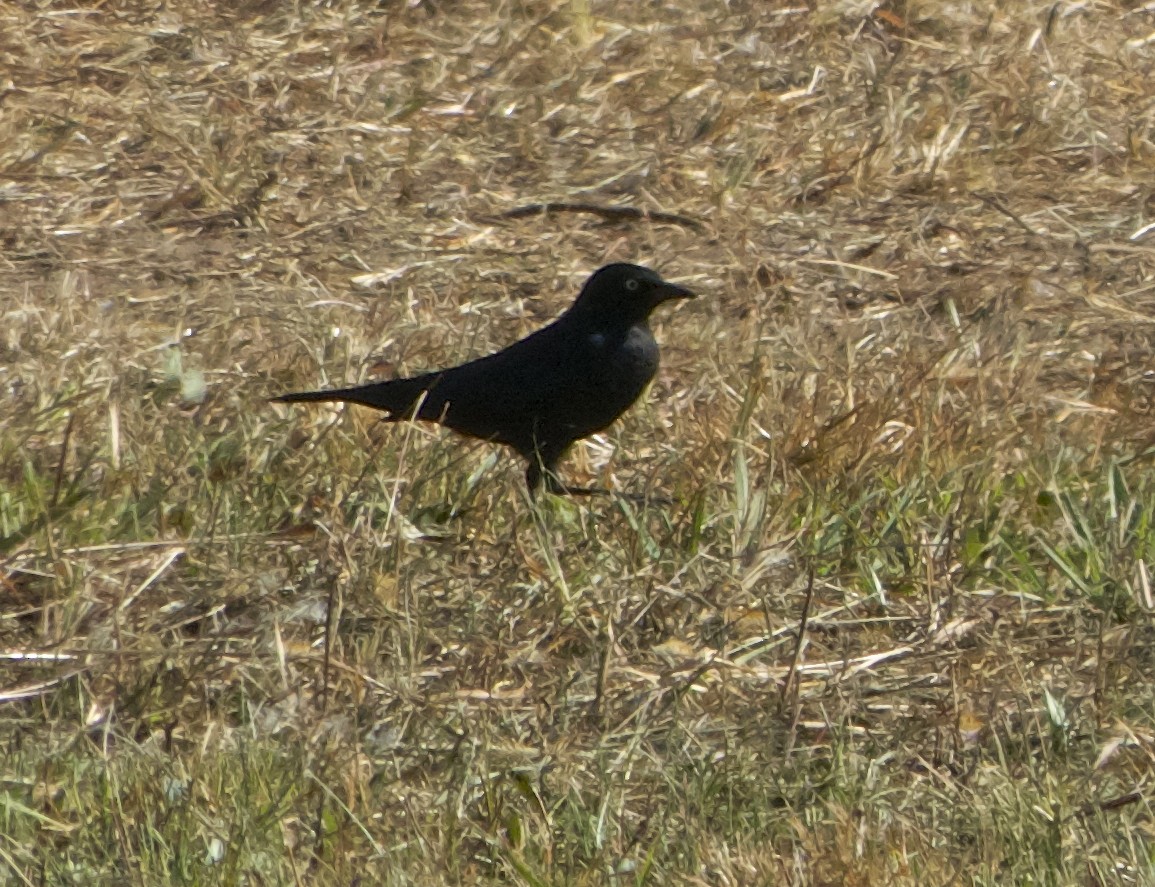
column 564, row 382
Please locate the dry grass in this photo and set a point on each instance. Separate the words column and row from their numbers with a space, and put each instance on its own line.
column 897, row 627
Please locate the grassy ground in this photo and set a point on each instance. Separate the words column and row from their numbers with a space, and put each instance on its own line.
column 896, row 627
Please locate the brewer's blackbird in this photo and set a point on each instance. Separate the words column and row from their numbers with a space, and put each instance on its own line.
column 564, row 382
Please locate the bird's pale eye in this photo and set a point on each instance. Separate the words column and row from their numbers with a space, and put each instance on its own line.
column 632, row 285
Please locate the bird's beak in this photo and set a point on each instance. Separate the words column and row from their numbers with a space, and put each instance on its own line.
column 668, row 291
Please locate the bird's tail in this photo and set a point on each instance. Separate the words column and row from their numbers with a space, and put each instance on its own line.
column 400, row 398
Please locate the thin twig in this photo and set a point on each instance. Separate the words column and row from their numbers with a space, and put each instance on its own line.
column 610, row 213
column 790, row 685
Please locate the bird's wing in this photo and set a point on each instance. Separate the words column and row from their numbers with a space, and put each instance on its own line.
column 502, row 396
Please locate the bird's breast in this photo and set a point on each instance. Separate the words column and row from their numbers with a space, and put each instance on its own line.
column 562, row 384
column 618, row 367
column 634, row 358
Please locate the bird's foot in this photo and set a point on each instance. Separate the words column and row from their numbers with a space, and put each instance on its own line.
column 566, row 490
column 635, row 498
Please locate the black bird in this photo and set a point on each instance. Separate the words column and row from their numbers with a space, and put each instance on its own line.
column 567, row 381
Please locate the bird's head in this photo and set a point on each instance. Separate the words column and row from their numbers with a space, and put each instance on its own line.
column 626, row 292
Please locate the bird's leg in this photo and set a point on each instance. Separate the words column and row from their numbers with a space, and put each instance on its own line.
column 542, row 471
column 538, row 475
column 542, row 468
column 566, row 490
column 635, row 498
column 533, row 477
